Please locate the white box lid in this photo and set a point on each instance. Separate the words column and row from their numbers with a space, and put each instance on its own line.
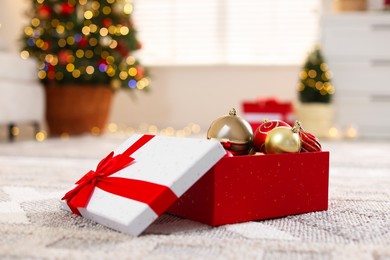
column 176, row 163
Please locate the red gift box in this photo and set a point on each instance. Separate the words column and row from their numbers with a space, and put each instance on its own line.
column 247, row 188
column 271, row 109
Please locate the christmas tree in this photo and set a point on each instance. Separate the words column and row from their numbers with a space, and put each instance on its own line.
column 84, row 41
column 315, row 79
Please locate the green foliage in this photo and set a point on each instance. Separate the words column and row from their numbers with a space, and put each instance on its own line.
column 84, row 41
column 315, row 79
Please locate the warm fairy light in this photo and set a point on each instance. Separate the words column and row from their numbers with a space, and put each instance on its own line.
column 83, row 2
column 28, row 31
column 333, row 132
column 113, row 44
column 35, row 22
column 111, row 29
column 130, row 60
column 93, row 28
column 79, row 53
column 111, row 127
column 64, row 136
column 303, row 75
column 95, row 130
column 310, row 82
column 41, row 74
column 141, row 85
column 95, row 5
column 86, row 30
column 351, row 132
column 132, row 71
column 76, row 73
column 153, row 129
column 312, row 74
column 103, row 31
column 60, row 29
column 88, row 54
column 88, row 14
column 128, row 8
column 24, row 54
column 93, row 41
column 69, row 67
column 123, row 75
column 104, row 54
column 70, row 40
column 324, row 67
column 124, row 30
column 90, row 70
column 106, row 10
column 61, row 43
column 195, row 128
column 15, row 131
column 69, row 26
column 110, row 59
column 319, row 85
column 40, row 136
column 110, row 71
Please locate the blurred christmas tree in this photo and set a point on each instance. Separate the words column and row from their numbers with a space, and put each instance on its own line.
column 315, row 79
column 84, row 41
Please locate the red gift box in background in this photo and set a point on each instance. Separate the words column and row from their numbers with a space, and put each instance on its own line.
column 271, row 109
column 247, row 188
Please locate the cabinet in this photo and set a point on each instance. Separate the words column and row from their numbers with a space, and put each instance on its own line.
column 357, row 49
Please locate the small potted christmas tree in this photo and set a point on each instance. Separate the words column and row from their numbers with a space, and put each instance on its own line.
column 315, row 92
column 83, row 50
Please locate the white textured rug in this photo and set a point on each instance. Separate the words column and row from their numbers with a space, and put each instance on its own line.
column 33, row 176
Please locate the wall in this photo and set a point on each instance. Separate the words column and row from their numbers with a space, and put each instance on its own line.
column 180, row 95
column 200, row 94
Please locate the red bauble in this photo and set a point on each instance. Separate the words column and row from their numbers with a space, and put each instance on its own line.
column 107, row 22
column 83, row 42
column 67, row 9
column 309, row 142
column 63, row 57
column 261, row 133
column 44, row 11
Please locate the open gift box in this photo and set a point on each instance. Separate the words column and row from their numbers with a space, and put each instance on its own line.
column 150, row 175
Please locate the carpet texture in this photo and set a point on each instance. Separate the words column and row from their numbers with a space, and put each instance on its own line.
column 34, row 176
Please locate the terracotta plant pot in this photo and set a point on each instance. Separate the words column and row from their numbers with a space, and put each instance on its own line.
column 77, row 109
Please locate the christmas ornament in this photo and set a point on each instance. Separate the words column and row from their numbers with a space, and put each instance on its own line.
column 66, row 9
column 228, row 154
column 282, row 139
column 261, row 133
column 44, row 11
column 309, row 143
column 234, row 133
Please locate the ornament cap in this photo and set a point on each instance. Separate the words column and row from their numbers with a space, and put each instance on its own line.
column 232, row 112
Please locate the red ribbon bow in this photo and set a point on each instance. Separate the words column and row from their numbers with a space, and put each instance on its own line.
column 157, row 196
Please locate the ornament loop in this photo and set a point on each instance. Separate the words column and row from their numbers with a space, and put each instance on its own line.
column 232, row 112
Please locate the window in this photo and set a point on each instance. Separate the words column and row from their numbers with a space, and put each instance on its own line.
column 185, row 32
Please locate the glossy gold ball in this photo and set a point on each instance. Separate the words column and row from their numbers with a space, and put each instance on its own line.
column 282, row 140
column 234, row 133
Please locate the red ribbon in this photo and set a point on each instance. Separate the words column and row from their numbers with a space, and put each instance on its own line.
column 157, row 196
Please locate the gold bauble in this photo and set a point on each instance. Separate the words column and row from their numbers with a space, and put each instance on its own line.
column 282, row 140
column 234, row 133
